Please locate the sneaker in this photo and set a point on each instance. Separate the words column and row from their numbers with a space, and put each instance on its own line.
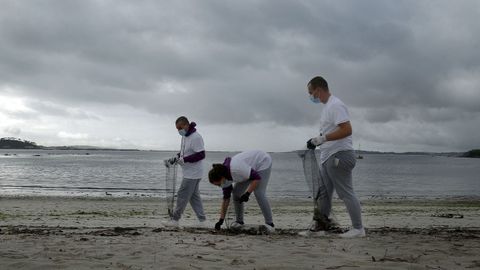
column 314, row 226
column 353, row 233
column 171, row 223
column 201, row 224
column 236, row 225
column 268, row 229
column 315, row 229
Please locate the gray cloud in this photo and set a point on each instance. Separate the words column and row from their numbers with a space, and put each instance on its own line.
column 403, row 63
column 48, row 108
column 12, row 131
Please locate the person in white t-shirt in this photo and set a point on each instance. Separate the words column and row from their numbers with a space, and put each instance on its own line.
column 190, row 158
column 337, row 156
column 241, row 175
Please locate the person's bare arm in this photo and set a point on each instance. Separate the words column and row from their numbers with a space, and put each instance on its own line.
column 343, row 130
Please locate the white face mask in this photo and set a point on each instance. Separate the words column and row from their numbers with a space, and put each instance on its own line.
column 226, row 183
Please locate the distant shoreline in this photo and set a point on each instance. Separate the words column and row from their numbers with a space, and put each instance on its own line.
column 361, row 152
column 10, row 143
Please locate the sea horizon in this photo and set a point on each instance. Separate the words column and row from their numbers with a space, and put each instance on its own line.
column 142, row 173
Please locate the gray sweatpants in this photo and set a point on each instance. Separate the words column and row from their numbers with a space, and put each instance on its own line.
column 336, row 174
column 189, row 192
column 260, row 195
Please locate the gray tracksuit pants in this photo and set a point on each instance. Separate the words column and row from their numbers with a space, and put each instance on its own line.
column 260, row 194
column 336, row 174
column 189, row 192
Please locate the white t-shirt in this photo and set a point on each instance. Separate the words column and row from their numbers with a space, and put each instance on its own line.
column 334, row 113
column 191, row 145
column 242, row 164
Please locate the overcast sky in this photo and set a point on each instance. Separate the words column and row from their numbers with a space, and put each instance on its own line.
column 118, row 73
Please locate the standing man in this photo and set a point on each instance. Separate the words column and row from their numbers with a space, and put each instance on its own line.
column 190, row 157
column 337, row 157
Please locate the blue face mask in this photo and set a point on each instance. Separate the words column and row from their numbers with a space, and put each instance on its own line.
column 182, row 132
column 314, row 99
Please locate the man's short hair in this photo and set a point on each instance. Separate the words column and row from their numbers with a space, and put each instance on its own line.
column 182, row 119
column 318, row 81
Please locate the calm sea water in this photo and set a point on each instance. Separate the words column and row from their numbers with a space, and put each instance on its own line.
column 141, row 173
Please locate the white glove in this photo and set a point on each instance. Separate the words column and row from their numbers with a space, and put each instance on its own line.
column 180, row 161
column 319, row 140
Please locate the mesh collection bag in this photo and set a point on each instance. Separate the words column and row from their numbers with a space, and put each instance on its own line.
column 311, row 171
column 170, row 185
column 317, row 188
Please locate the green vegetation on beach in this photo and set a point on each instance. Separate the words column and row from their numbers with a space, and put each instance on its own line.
column 475, row 153
column 14, row 143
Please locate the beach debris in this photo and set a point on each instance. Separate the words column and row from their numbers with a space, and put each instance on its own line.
column 250, row 230
column 195, row 267
column 447, row 232
column 122, row 229
column 116, row 232
column 208, row 259
column 447, row 215
column 475, row 264
column 408, row 259
column 209, row 244
column 341, row 266
column 238, row 261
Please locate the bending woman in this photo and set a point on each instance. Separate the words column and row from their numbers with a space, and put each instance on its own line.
column 241, row 175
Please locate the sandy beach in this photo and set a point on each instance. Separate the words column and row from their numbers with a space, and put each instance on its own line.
column 127, row 233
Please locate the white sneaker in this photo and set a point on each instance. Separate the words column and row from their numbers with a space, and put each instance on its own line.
column 313, row 226
column 268, row 229
column 236, row 225
column 171, row 223
column 202, row 224
column 354, row 233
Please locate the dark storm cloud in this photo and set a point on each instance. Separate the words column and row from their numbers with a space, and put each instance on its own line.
column 247, row 61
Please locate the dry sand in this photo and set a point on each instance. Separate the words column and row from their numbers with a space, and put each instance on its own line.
column 126, row 233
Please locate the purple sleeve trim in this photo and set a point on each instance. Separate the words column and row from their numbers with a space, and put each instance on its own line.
column 254, row 175
column 227, row 192
column 227, row 164
column 195, row 157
